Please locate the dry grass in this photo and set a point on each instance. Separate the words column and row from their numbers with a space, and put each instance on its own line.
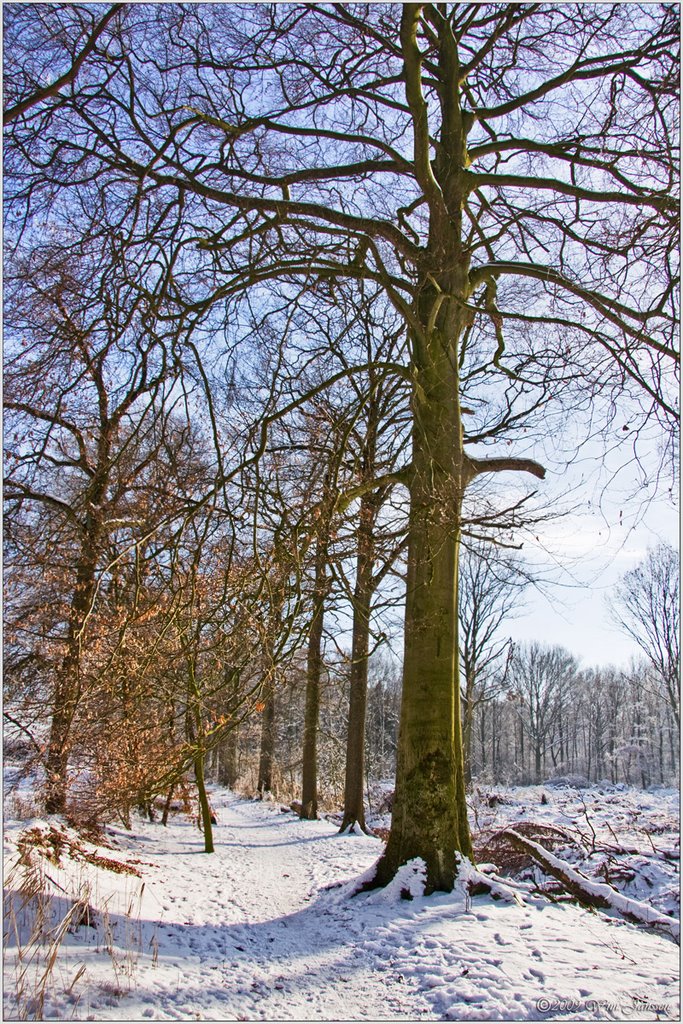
column 36, row 928
column 20, row 806
column 53, row 844
column 40, row 913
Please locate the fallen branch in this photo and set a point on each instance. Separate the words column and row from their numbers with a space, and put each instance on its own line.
column 476, row 883
column 594, row 894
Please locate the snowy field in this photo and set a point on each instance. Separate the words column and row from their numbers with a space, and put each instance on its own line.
column 145, row 926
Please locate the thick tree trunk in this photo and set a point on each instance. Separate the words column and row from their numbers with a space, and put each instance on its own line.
column 227, row 764
column 228, row 768
column 67, row 693
column 57, row 758
column 309, row 778
column 430, row 813
column 354, row 809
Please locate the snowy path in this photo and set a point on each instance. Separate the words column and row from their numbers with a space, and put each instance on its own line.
column 242, row 935
column 254, row 932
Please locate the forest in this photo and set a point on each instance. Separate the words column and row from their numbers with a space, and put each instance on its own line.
column 314, row 315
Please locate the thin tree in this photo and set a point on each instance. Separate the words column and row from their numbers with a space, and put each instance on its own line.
column 542, row 678
column 79, row 448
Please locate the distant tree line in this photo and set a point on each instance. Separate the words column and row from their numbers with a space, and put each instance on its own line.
column 586, row 726
column 553, row 720
column 536, row 715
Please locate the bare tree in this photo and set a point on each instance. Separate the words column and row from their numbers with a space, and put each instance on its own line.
column 81, row 441
column 646, row 605
column 491, row 585
column 543, row 678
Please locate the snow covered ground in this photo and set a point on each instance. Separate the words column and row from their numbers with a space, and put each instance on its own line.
column 627, row 837
column 266, row 928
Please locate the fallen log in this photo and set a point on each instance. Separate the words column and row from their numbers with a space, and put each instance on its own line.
column 594, row 894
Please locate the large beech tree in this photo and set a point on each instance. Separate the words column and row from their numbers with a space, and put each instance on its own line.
column 503, row 171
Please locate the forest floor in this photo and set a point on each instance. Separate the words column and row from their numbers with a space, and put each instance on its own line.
column 142, row 925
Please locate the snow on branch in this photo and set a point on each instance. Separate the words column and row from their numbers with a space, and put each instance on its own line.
column 594, row 894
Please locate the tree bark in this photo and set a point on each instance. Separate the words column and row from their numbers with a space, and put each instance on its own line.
column 67, row 695
column 57, row 758
column 228, row 770
column 67, row 691
column 267, row 748
column 204, row 806
column 430, row 813
column 309, row 777
column 354, row 808
column 468, row 723
column 167, row 805
column 227, row 765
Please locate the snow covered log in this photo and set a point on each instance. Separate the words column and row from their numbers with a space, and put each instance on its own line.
column 594, row 894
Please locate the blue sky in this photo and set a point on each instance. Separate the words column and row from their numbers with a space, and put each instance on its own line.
column 574, row 611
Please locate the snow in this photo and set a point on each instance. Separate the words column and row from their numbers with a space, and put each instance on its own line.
column 267, row 928
column 632, row 908
column 628, row 837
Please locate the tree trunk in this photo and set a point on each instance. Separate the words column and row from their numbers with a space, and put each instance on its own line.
column 67, row 691
column 673, row 749
column 482, row 738
column 522, row 756
column 167, row 805
column 354, row 810
column 309, row 779
column 227, row 764
column 195, row 734
column 57, row 758
column 267, row 750
column 228, row 770
column 430, row 814
column 204, row 806
column 468, row 719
